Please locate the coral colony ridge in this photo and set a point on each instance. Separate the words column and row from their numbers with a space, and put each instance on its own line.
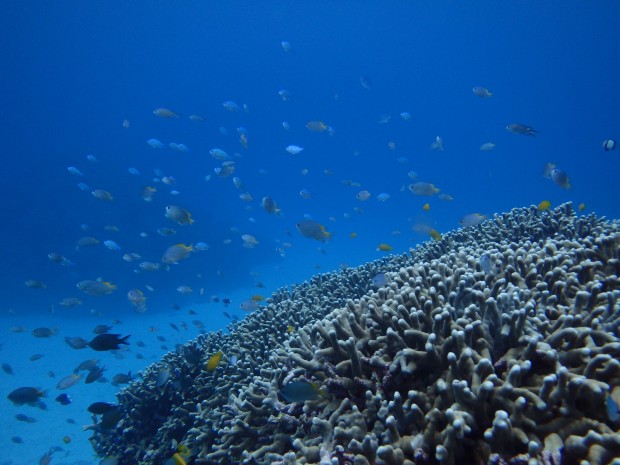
column 497, row 344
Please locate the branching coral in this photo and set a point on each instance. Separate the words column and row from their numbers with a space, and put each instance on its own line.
column 451, row 362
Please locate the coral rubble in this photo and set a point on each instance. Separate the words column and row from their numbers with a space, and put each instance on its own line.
column 498, row 344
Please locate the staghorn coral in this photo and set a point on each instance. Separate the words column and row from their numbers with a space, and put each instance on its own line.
column 446, row 364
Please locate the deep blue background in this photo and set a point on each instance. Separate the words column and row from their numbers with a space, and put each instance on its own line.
column 73, row 71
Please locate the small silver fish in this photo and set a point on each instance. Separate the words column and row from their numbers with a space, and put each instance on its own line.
column 482, row 92
column 472, row 219
column 485, row 263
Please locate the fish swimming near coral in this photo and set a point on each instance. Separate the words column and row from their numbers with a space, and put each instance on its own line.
column 214, row 361
column 300, row 391
column 99, row 408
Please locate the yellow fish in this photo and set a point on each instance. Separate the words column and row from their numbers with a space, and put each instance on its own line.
column 582, row 207
column 214, row 361
column 434, row 234
column 257, row 298
column 177, row 459
column 544, row 205
column 290, row 329
column 353, row 235
column 426, row 207
column 384, row 247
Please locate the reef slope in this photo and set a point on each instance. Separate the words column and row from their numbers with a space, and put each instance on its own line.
column 496, row 344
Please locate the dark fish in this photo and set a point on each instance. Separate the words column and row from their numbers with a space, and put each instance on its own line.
column 17, row 440
column 76, row 342
column 300, row 391
column 109, row 419
column 161, row 338
column 140, row 344
column 7, row 369
column 522, row 129
column 107, row 342
column 35, row 357
column 226, row 302
column 94, row 374
column 47, row 457
column 122, row 378
column 44, row 332
column 227, row 315
column 99, row 408
column 101, row 329
column 25, row 418
column 63, row 399
column 26, row 395
column 173, row 326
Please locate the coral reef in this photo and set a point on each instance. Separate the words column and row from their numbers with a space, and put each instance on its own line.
column 497, row 344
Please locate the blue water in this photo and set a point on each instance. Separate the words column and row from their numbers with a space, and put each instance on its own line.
column 72, row 72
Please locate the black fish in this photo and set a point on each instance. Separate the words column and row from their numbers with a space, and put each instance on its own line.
column 25, row 395
column 110, row 418
column 63, row 399
column 99, row 408
column 7, row 369
column 108, row 342
column 94, row 374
